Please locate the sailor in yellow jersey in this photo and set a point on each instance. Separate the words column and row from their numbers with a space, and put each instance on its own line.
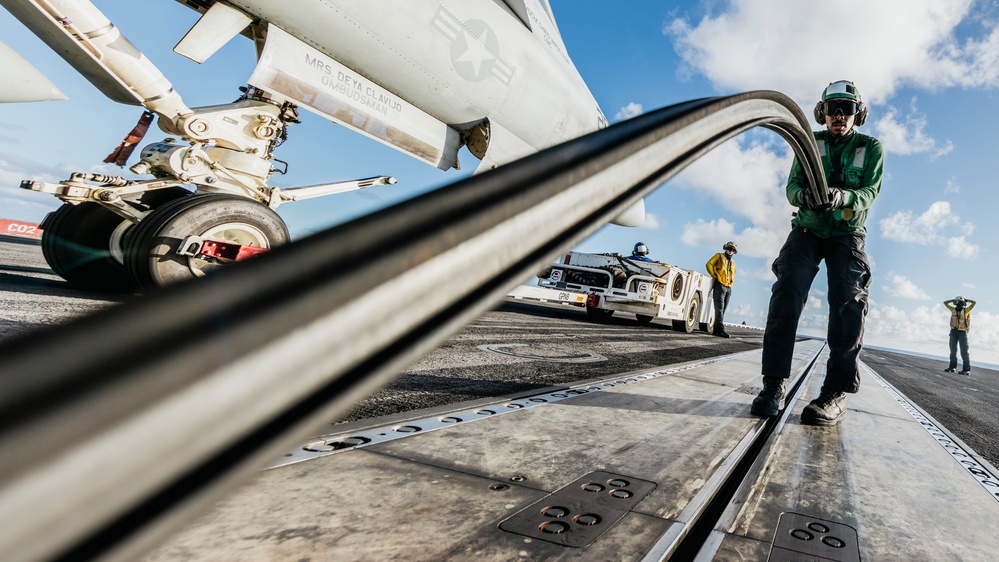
column 721, row 267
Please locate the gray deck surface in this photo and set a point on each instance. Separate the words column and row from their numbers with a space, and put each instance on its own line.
column 429, row 496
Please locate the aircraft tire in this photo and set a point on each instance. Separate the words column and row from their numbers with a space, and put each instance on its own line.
column 82, row 243
column 150, row 247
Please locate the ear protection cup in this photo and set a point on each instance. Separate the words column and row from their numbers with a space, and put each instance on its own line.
column 820, row 117
column 861, row 114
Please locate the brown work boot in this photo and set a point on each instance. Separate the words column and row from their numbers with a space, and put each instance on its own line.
column 769, row 402
column 828, row 409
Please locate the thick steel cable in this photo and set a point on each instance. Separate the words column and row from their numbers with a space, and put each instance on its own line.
column 140, row 414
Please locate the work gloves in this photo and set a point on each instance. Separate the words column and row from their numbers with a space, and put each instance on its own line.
column 836, row 200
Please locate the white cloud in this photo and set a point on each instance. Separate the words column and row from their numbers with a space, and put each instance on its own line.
column 747, row 181
column 900, row 286
column 14, row 168
column 651, row 222
column 729, row 50
column 952, row 186
column 705, row 233
column 894, row 313
column 909, row 136
column 764, row 273
column 930, row 228
column 925, row 229
column 20, row 204
column 959, row 247
column 753, row 241
column 631, row 110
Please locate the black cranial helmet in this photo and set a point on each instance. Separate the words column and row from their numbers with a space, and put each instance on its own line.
column 640, row 250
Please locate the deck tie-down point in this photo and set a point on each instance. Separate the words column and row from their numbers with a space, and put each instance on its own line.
column 799, row 534
column 577, row 514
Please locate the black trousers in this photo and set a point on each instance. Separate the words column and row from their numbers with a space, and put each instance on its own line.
column 959, row 337
column 849, row 276
column 720, row 294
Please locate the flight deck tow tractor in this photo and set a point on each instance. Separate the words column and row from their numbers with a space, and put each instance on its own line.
column 646, row 289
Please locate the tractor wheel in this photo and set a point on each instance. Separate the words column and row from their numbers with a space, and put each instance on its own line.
column 691, row 317
column 598, row 313
column 708, row 326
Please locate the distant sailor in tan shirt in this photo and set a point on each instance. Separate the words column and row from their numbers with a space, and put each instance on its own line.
column 960, row 323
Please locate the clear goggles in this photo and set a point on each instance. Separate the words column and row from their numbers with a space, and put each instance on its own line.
column 845, row 107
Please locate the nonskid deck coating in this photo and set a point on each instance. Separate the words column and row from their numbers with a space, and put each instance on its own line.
column 441, row 495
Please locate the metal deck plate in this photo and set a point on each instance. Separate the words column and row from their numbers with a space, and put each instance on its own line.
column 818, row 539
column 577, row 514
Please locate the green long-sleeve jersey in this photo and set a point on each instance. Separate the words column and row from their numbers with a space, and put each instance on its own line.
column 861, row 159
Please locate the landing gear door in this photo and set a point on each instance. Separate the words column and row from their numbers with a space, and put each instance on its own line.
column 305, row 76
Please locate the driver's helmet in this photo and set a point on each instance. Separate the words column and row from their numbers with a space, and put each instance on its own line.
column 640, row 250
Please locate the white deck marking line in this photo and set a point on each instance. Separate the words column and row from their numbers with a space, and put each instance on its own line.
column 334, row 443
column 963, row 454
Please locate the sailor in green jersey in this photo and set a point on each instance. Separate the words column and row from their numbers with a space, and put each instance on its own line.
column 853, row 164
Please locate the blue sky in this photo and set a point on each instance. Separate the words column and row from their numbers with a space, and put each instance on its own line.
column 928, row 69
